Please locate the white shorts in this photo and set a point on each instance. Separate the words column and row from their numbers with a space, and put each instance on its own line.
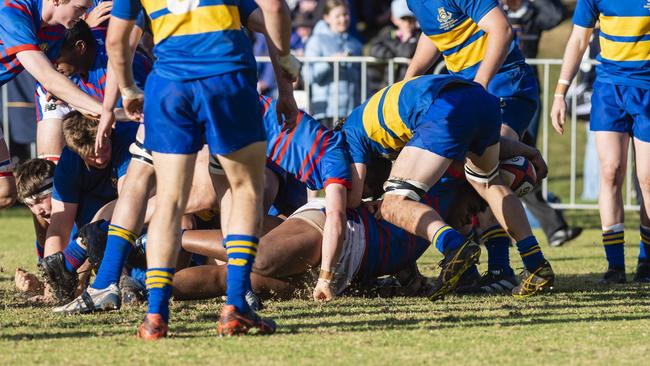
column 353, row 248
column 49, row 109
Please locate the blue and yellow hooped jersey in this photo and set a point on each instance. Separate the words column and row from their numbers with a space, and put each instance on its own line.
column 624, row 39
column 195, row 39
column 314, row 154
column 384, row 124
column 452, row 25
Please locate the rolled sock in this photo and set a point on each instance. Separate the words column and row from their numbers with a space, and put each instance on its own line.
column 241, row 251
column 497, row 243
column 159, row 285
column 446, row 239
column 530, row 253
column 118, row 246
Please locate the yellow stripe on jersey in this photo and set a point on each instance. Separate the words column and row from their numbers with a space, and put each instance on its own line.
column 467, row 56
column 152, row 6
column 624, row 51
column 390, row 112
column 625, row 26
column 204, row 19
column 456, row 36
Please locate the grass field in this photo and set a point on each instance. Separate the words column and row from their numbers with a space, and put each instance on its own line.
column 580, row 323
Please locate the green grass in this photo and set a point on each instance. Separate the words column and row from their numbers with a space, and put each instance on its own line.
column 580, row 323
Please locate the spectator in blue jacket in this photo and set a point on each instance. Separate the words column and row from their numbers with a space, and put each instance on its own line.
column 331, row 38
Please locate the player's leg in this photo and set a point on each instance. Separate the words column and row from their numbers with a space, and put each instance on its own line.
column 49, row 139
column 7, row 180
column 500, row 277
column 642, row 152
column 612, row 150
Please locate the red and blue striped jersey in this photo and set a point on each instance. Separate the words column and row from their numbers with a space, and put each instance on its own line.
column 20, row 30
column 390, row 248
column 314, row 154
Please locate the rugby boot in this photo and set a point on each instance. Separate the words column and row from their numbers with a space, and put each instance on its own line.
column 498, row 281
column 131, row 292
column 613, row 276
column 92, row 300
column 642, row 274
column 452, row 267
column 152, row 328
column 469, row 282
column 63, row 282
column 234, row 323
column 535, row 282
column 253, row 301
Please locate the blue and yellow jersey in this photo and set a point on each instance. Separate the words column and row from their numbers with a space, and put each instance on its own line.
column 75, row 182
column 195, row 39
column 314, row 154
column 624, row 39
column 385, row 123
column 452, row 26
column 20, row 30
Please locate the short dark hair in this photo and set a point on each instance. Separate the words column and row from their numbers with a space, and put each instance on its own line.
column 30, row 176
column 79, row 32
column 79, row 133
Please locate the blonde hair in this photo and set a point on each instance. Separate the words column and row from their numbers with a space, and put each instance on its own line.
column 79, row 133
column 30, row 176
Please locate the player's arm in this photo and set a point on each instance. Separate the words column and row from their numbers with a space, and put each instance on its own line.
column 333, row 236
column 61, row 223
column 575, row 49
column 37, row 64
column 278, row 24
column 358, row 172
column 496, row 25
column 7, row 180
column 425, row 55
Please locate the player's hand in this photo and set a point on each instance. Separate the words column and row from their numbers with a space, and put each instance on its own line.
column 27, row 282
column 558, row 114
column 49, row 97
column 286, row 109
column 100, row 14
column 323, row 291
column 541, row 169
column 133, row 102
column 375, row 208
column 104, row 129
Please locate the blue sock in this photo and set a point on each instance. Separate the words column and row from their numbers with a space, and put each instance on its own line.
column 241, row 250
column 75, row 255
column 139, row 275
column 446, row 239
column 614, row 243
column 644, row 246
column 530, row 253
column 159, row 285
column 40, row 251
column 118, row 246
column 497, row 243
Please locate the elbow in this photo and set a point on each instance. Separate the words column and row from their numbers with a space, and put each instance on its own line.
column 508, row 33
column 7, row 201
column 272, row 6
column 8, row 193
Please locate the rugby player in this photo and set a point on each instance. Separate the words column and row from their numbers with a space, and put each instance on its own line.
column 204, row 61
column 318, row 157
column 426, row 123
column 619, row 110
column 83, row 183
column 477, row 43
column 7, row 180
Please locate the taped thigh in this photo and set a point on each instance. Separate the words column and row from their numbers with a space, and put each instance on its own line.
column 141, row 154
column 480, row 177
column 408, row 188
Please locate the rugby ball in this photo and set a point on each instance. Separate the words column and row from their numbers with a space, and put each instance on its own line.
column 519, row 174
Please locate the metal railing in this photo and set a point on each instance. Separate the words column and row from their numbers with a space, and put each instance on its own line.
column 545, row 65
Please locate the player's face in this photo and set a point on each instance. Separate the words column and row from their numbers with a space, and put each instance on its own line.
column 69, row 13
column 99, row 162
column 338, row 19
column 42, row 207
column 69, row 62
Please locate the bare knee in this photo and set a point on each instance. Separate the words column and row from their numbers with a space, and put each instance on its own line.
column 612, row 173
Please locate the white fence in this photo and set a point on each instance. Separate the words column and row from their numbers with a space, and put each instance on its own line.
column 544, row 68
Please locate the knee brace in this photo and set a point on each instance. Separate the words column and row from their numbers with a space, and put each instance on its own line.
column 138, row 152
column 484, row 178
column 214, row 167
column 408, row 188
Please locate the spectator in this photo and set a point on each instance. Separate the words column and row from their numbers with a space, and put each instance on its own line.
column 303, row 27
column 331, row 38
column 397, row 40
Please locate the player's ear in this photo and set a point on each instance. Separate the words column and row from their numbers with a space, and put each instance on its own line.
column 80, row 46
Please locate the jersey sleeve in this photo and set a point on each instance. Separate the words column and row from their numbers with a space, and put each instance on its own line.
column 586, row 13
column 127, row 9
column 246, row 8
column 476, row 9
column 17, row 31
column 66, row 178
column 359, row 150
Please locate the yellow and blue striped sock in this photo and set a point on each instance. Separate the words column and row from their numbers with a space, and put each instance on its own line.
column 446, row 239
column 159, row 286
column 497, row 243
column 644, row 246
column 118, row 246
column 614, row 243
column 241, row 251
column 530, row 253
